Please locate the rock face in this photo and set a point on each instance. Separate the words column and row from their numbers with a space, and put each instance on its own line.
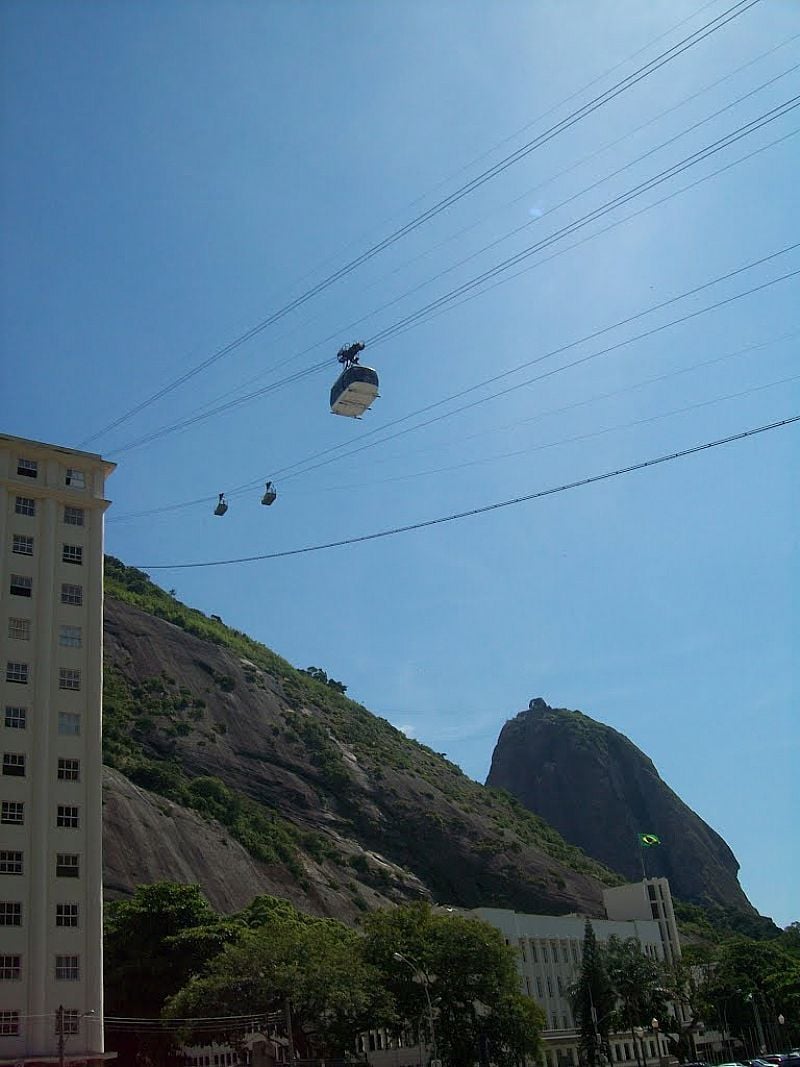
column 375, row 816
column 600, row 791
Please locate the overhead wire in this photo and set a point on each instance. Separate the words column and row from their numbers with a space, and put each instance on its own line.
column 459, row 233
column 484, row 509
column 716, row 24
column 575, row 438
column 557, row 370
column 286, row 472
column 498, row 269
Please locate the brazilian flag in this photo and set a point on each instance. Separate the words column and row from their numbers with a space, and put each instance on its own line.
column 648, row 840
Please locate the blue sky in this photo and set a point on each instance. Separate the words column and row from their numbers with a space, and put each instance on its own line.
column 175, row 173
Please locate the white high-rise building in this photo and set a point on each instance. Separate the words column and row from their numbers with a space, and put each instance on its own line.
column 52, row 502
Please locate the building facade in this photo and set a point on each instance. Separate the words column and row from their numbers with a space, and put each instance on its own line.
column 549, row 954
column 52, row 502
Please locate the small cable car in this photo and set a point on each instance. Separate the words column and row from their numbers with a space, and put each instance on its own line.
column 222, row 505
column 270, row 494
column 356, row 387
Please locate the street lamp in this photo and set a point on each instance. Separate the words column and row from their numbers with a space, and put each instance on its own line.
column 61, row 1032
column 425, row 981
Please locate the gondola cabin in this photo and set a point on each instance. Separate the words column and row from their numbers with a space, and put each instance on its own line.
column 356, row 387
column 270, row 495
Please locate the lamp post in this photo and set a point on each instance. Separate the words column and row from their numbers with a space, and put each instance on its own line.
column 425, row 981
column 781, row 1032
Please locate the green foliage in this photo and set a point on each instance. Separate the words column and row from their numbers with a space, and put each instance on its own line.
column 718, row 922
column 637, row 983
column 462, row 963
column 315, row 963
column 593, row 1002
column 149, row 953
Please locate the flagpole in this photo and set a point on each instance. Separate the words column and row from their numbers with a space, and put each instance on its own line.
column 641, row 856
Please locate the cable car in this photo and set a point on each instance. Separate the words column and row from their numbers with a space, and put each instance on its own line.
column 356, row 387
column 270, row 494
column 222, row 505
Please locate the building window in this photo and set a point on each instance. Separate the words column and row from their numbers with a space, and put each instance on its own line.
column 534, row 953
column 522, row 950
column 69, row 770
column 69, row 724
column 17, row 673
column 12, row 812
column 9, row 1024
column 70, row 637
column 540, row 988
column 19, row 629
column 75, row 479
column 69, row 678
column 560, row 985
column 16, row 718
column 27, row 468
column 68, row 865
column 72, row 554
column 73, row 516
column 68, row 969
column 71, row 594
column 66, row 914
column 67, row 816
column 22, row 545
column 10, row 913
column 70, row 1021
column 549, row 986
column 25, row 505
column 544, row 952
column 14, row 764
column 10, row 862
column 21, row 585
column 10, row 968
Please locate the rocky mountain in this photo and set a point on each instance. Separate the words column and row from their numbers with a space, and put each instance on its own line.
column 599, row 791
column 229, row 767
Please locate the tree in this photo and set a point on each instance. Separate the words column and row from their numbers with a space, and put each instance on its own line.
column 593, row 1002
column 314, row 963
column 637, row 984
column 748, row 986
column 461, row 973
column 153, row 944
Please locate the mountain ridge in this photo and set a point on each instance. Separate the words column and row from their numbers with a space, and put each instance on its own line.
column 338, row 810
column 599, row 790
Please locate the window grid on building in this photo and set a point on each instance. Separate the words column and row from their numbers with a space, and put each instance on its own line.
column 69, row 770
column 22, row 545
column 68, row 816
column 14, row 764
column 27, row 468
column 69, row 724
column 15, row 718
column 12, row 812
column 73, row 516
column 72, row 554
column 68, row 865
column 68, row 968
column 71, row 594
column 19, row 629
column 17, row 672
column 25, row 505
column 21, row 585
column 9, row 1023
column 10, row 968
column 75, row 479
column 70, row 1022
column 10, row 913
column 66, row 914
column 70, row 637
column 11, row 861
column 69, row 678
